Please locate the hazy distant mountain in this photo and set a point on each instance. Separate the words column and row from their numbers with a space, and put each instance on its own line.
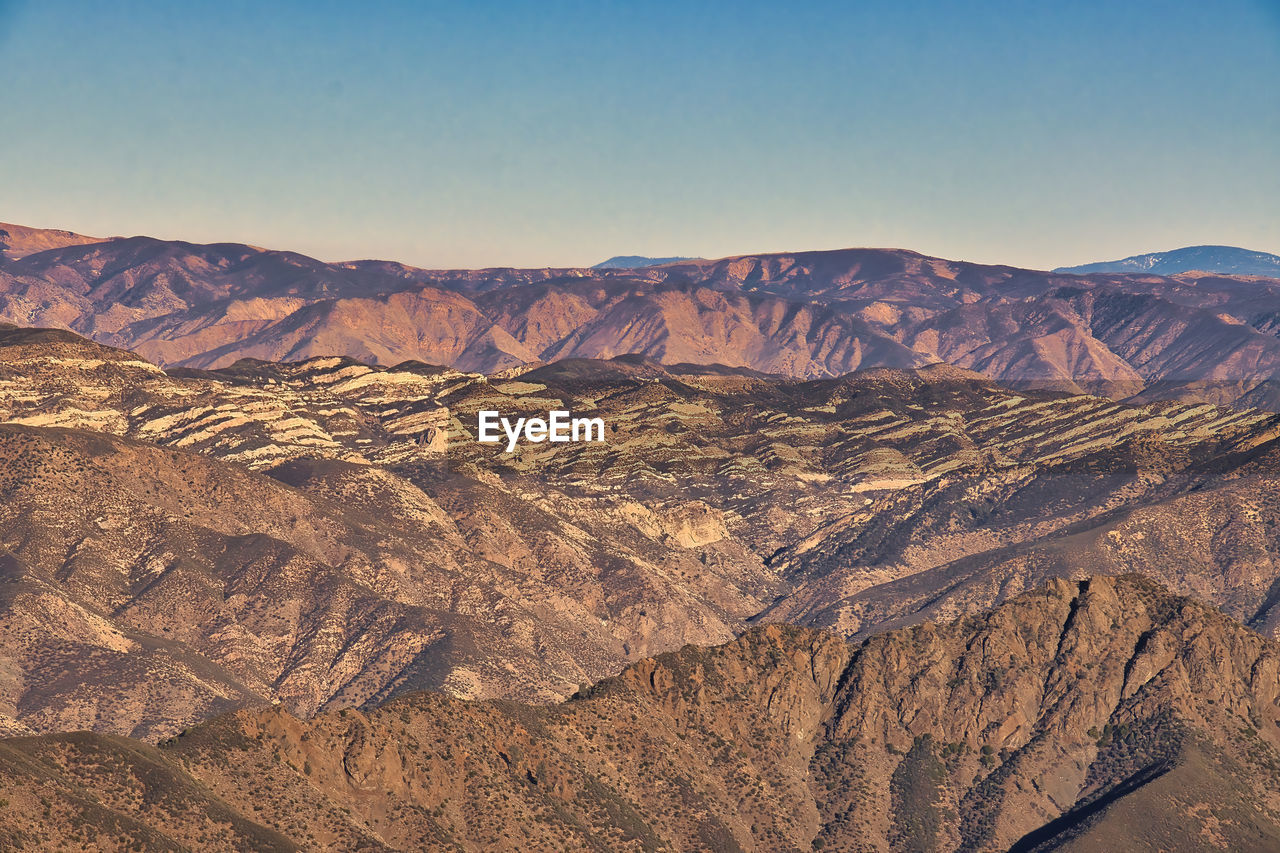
column 1227, row 260
column 631, row 262
column 1204, row 336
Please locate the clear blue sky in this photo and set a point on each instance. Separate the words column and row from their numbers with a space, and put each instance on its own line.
column 556, row 133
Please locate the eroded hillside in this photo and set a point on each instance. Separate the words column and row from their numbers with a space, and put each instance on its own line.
column 1049, row 723
column 328, row 534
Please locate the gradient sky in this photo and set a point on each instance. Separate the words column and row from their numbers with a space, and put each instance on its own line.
column 560, row 133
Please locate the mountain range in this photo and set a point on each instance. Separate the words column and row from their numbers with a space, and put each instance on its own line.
column 1103, row 714
column 261, row 588
column 388, row 551
column 1193, row 336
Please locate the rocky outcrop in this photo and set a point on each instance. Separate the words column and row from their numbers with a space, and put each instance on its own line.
column 1048, row 723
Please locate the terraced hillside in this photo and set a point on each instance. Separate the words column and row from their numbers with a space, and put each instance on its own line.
column 327, row 534
column 1082, row 716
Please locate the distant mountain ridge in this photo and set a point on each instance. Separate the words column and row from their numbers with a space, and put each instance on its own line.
column 1193, row 336
column 18, row 241
column 1227, row 260
column 630, row 262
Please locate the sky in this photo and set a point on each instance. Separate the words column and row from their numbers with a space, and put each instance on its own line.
column 558, row 133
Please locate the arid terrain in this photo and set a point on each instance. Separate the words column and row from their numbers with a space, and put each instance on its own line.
column 329, row 534
column 262, row 588
column 1194, row 335
column 1104, row 714
column 577, row 427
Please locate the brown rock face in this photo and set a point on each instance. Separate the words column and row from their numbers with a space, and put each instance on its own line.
column 1073, row 717
column 809, row 314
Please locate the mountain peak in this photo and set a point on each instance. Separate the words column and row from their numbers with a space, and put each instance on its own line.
column 630, row 262
column 1228, row 260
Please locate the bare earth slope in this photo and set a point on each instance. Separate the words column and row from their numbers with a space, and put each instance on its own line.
column 18, row 241
column 141, row 595
column 328, row 534
column 1195, row 336
column 1050, row 723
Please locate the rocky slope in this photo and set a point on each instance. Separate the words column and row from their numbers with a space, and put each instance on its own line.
column 1082, row 716
column 141, row 595
column 1195, row 336
column 328, row 534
